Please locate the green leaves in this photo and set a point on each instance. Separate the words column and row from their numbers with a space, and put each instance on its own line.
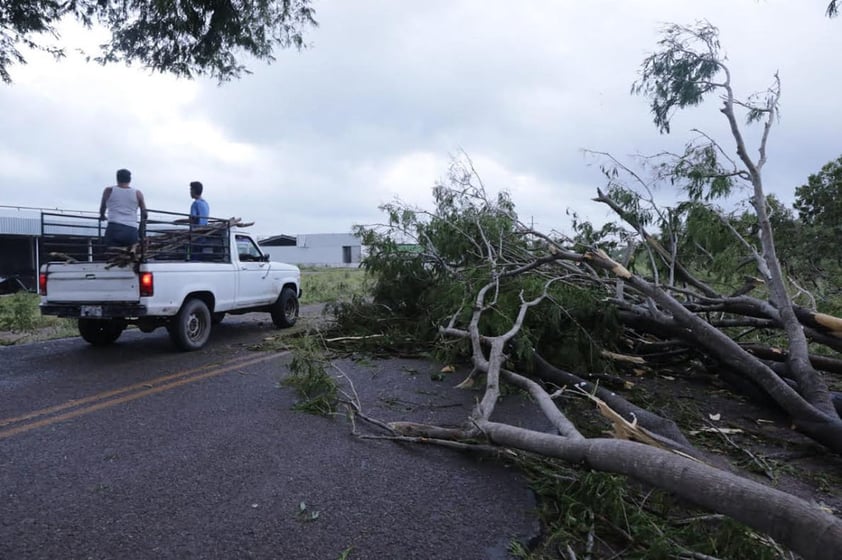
column 318, row 391
column 681, row 73
column 699, row 172
column 819, row 207
column 182, row 37
column 428, row 267
column 19, row 312
column 708, row 246
column 819, row 202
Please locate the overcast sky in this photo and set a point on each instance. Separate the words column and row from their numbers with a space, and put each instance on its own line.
column 390, row 91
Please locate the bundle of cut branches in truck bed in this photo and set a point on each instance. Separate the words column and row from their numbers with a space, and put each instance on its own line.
column 173, row 243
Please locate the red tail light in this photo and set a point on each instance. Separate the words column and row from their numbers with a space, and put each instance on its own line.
column 147, row 284
column 42, row 283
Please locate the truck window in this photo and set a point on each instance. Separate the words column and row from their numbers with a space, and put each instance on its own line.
column 247, row 249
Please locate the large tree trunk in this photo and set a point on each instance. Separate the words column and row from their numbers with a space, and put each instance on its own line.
column 791, row 521
column 825, row 426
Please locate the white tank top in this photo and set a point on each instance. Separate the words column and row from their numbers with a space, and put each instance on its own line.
column 122, row 206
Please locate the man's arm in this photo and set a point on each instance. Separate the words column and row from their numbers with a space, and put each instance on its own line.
column 106, row 192
column 141, row 203
column 194, row 213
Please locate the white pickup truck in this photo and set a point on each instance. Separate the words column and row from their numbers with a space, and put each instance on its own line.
column 181, row 277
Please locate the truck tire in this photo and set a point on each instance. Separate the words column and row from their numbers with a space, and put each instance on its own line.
column 285, row 310
column 191, row 327
column 101, row 332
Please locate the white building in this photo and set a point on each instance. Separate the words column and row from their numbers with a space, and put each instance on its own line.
column 317, row 249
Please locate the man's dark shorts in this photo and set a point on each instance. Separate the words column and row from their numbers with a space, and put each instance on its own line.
column 119, row 235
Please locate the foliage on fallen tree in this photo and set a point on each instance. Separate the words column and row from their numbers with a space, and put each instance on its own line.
column 426, row 264
column 606, row 517
column 317, row 390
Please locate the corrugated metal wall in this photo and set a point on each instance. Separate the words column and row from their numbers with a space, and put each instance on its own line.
column 27, row 221
column 19, row 226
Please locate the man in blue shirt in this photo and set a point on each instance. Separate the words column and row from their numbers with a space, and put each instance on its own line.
column 199, row 210
column 201, row 249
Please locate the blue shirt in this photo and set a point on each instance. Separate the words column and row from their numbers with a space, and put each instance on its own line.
column 200, row 210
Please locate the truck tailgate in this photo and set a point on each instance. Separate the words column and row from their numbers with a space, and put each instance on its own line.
column 85, row 282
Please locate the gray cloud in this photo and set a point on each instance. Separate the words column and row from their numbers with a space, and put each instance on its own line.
column 316, row 141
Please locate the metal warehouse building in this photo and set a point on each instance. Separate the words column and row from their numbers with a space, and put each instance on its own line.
column 22, row 244
column 18, row 252
column 28, row 235
column 317, row 249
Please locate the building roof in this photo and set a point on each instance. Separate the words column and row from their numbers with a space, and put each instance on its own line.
column 278, row 241
column 26, row 220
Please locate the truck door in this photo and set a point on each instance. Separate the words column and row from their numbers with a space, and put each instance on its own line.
column 255, row 285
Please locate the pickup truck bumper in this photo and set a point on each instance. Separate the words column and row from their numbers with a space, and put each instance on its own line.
column 94, row 311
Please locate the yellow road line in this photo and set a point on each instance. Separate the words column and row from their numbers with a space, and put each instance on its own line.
column 106, row 394
column 105, row 403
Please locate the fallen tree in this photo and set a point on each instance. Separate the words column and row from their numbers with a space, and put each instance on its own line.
column 647, row 447
column 516, row 301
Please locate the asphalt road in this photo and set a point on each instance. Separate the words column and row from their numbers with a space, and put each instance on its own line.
column 138, row 451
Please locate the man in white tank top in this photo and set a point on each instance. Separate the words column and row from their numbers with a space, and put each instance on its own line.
column 119, row 206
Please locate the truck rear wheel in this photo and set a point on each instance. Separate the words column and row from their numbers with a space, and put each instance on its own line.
column 101, row 332
column 285, row 310
column 191, row 327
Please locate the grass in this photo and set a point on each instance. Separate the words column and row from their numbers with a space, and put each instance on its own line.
column 327, row 285
column 19, row 312
column 21, row 321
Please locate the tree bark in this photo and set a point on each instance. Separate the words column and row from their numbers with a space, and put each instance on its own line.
column 820, row 423
column 789, row 520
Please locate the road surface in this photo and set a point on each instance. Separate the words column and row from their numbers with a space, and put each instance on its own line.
column 139, row 451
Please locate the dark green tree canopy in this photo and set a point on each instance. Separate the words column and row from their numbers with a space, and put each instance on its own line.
column 819, row 206
column 182, row 37
column 818, row 202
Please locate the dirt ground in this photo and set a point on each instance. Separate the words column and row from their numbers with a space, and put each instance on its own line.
column 8, row 338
